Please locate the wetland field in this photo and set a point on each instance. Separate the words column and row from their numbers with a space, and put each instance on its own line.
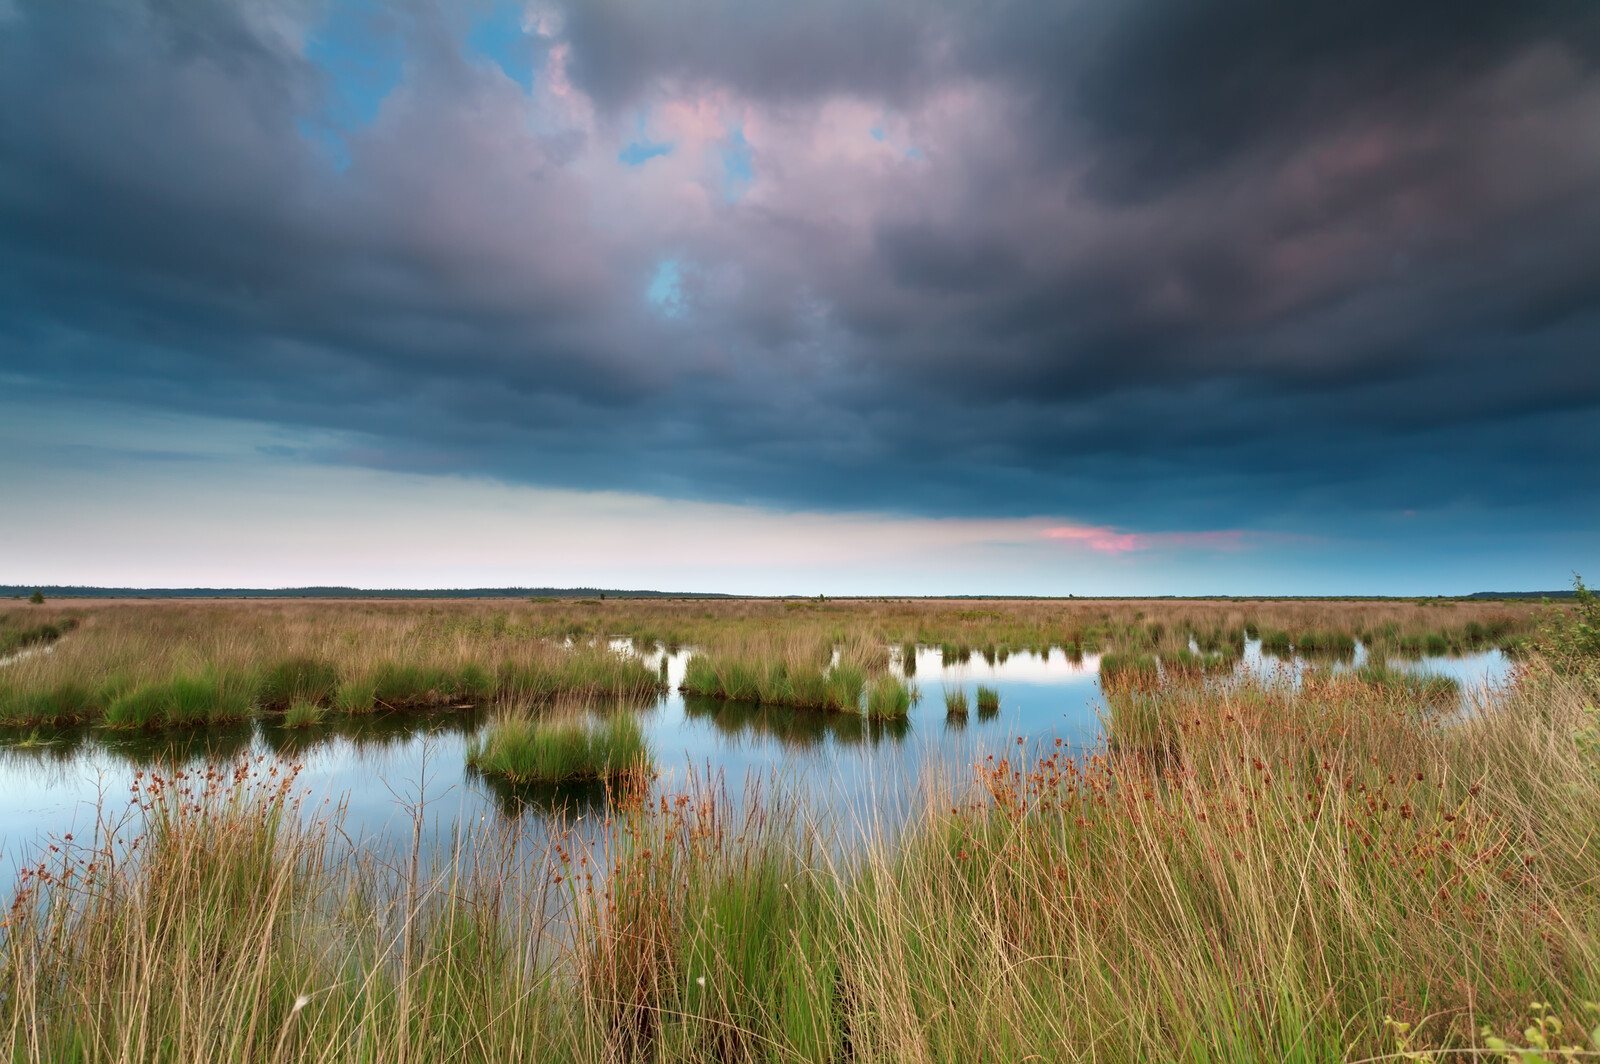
column 799, row 830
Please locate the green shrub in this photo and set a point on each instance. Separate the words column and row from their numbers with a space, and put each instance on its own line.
column 1569, row 637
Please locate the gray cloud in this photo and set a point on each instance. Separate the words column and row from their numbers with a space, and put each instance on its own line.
column 1155, row 264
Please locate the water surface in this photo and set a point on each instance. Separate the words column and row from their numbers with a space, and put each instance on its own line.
column 385, row 767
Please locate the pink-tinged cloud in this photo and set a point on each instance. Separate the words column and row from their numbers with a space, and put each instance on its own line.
column 1110, row 541
column 1104, row 540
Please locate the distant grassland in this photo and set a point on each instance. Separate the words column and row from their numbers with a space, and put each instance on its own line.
column 136, row 664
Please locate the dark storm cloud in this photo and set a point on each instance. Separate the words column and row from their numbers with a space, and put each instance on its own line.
column 1145, row 263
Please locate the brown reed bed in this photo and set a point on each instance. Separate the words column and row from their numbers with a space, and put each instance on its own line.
column 163, row 664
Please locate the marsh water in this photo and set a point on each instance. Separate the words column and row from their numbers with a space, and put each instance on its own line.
column 385, row 767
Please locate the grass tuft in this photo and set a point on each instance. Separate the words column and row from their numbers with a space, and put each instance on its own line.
column 303, row 715
column 889, row 696
column 526, row 750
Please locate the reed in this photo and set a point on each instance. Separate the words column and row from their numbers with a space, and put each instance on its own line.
column 988, row 699
column 955, row 701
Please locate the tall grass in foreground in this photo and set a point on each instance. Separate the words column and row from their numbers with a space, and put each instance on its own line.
column 237, row 930
column 1300, row 866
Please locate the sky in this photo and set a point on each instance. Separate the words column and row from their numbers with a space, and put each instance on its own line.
column 918, row 297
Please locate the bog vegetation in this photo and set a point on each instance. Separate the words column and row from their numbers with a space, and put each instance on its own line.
column 1341, row 867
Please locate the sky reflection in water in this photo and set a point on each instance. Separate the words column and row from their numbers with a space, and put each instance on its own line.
column 378, row 767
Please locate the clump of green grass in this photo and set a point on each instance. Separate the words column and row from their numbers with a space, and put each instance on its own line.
column 64, row 703
column 1182, row 663
column 303, row 715
column 1276, row 642
column 1328, row 643
column 845, row 684
column 209, row 697
column 356, row 695
column 297, row 679
column 1125, row 670
column 988, row 699
column 403, row 684
column 782, row 681
column 528, row 750
column 908, row 659
column 955, row 701
column 590, row 672
column 889, row 696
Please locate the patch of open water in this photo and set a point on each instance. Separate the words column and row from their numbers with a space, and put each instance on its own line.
column 864, row 772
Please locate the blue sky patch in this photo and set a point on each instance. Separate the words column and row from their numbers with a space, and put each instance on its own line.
column 642, row 151
column 738, row 166
column 360, row 49
column 666, row 289
column 500, row 37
